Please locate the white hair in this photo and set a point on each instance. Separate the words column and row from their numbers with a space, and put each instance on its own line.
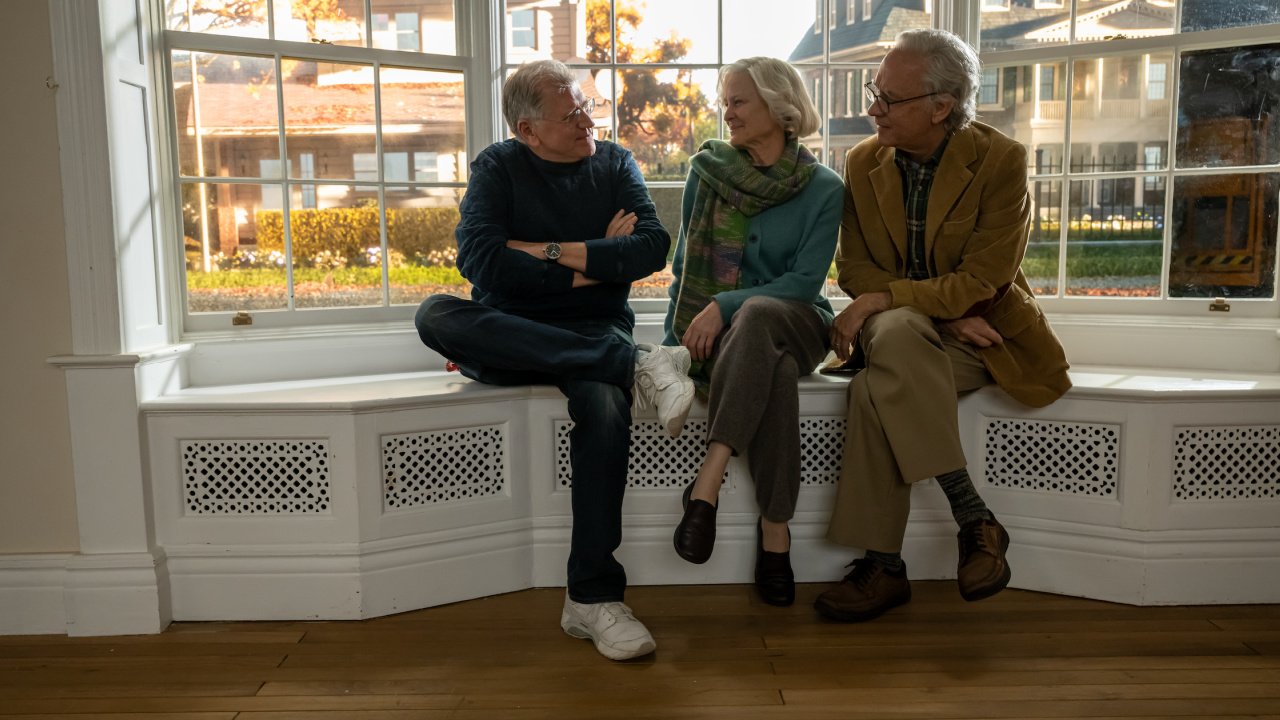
column 522, row 95
column 782, row 89
column 954, row 71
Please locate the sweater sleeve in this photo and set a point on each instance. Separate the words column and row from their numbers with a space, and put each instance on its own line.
column 482, row 233
column 806, row 272
column 627, row 258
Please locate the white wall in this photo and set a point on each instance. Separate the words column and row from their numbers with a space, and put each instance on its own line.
column 37, row 491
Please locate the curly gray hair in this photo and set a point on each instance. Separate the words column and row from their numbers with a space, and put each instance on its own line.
column 954, row 71
column 783, row 91
column 522, row 95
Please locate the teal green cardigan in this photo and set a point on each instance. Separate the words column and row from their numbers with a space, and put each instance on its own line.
column 788, row 252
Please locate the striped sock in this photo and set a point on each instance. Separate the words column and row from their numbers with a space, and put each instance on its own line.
column 966, row 506
column 891, row 561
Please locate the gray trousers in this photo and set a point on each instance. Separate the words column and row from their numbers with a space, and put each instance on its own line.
column 754, row 401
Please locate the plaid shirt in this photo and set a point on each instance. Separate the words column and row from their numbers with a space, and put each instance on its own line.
column 917, row 180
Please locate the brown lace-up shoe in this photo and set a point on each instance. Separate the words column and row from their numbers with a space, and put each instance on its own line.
column 983, row 571
column 865, row 593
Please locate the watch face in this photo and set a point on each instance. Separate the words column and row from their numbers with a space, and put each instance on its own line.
column 552, row 251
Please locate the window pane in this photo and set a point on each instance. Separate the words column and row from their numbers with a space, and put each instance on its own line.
column 848, row 123
column 664, row 116
column 426, row 25
column 1228, row 101
column 760, row 27
column 572, row 31
column 1114, row 239
column 667, row 31
column 231, row 109
column 1106, row 21
column 420, row 225
column 1040, row 262
column 336, row 248
column 328, row 112
column 1210, row 15
column 234, row 262
column 1114, row 117
column 1224, row 236
column 1022, row 26
column 424, row 114
column 219, row 17
column 339, row 23
column 1025, row 105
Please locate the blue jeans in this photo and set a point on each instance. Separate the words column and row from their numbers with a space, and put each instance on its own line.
column 593, row 364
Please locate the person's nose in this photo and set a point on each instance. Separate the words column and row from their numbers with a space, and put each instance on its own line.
column 878, row 109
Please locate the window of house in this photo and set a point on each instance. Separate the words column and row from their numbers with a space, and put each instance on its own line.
column 869, row 5
column 524, row 32
column 1151, row 208
column 334, row 228
column 989, row 90
column 851, row 12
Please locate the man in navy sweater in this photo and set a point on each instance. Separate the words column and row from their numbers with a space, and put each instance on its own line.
column 554, row 230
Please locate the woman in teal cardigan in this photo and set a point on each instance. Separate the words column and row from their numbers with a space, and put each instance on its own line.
column 758, row 230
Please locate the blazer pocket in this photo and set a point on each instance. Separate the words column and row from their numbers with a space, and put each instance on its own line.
column 959, row 228
column 1015, row 312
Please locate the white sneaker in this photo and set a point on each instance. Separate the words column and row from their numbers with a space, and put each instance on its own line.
column 662, row 380
column 618, row 635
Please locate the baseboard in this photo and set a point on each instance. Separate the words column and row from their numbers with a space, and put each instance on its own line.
column 118, row 594
column 31, row 588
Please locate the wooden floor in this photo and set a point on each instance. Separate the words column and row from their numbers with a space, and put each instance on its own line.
column 721, row 654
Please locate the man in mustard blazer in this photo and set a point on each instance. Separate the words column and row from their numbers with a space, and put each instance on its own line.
column 936, row 217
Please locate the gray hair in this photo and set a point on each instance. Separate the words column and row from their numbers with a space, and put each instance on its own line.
column 782, row 89
column 954, row 71
column 522, row 95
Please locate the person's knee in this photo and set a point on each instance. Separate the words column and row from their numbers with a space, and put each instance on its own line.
column 752, row 322
column 602, row 405
column 432, row 318
column 897, row 329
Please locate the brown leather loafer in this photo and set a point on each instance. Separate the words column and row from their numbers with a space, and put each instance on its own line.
column 865, row 593
column 982, row 571
column 696, row 534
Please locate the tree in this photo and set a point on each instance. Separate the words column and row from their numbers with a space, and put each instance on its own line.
column 660, row 119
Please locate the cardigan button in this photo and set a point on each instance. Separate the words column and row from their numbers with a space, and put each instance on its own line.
column 754, row 238
column 756, row 281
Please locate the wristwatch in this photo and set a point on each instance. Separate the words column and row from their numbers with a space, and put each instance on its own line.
column 552, row 250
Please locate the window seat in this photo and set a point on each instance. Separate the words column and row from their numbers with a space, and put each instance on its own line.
column 362, row 496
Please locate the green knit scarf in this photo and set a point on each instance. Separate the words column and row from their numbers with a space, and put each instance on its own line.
column 730, row 191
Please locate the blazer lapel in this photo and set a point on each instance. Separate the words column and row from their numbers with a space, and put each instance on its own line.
column 887, row 182
column 949, row 183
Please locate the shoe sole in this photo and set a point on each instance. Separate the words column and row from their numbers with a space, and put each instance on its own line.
column 845, row 616
column 575, row 629
column 983, row 593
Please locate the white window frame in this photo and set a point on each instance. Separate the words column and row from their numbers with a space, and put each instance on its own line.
column 1172, row 44
column 479, row 111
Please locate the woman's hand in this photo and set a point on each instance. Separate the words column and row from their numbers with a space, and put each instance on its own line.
column 701, row 335
column 621, row 225
column 971, row 330
column 849, row 322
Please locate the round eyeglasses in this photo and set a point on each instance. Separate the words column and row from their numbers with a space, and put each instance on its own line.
column 874, row 97
column 578, row 113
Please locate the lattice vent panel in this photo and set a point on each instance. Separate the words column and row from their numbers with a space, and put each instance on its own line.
column 821, row 449
column 255, row 477
column 1054, row 457
column 429, row 468
column 1226, row 463
column 658, row 460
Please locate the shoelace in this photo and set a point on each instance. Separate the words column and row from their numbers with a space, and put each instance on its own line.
column 974, row 540
column 864, row 571
column 616, row 611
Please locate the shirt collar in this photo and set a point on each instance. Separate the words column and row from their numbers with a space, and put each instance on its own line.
column 906, row 164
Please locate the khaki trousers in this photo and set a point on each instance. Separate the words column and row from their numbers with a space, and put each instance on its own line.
column 902, row 425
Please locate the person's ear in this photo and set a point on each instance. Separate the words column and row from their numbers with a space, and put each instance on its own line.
column 526, row 132
column 941, row 110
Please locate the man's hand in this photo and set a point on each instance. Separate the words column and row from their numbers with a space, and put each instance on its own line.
column 621, row 224
column 537, row 250
column 849, row 322
column 971, row 330
column 701, row 335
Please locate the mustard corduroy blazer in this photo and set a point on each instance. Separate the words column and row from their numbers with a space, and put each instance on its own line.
column 976, row 228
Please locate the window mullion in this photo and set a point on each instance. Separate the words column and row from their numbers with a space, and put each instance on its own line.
column 286, row 227
column 1064, row 210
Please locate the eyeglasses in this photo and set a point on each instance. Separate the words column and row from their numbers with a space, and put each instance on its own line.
column 582, row 110
column 874, row 97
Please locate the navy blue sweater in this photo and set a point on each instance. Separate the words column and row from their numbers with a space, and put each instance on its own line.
column 513, row 194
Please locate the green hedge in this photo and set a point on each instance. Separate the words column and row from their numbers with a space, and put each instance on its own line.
column 349, row 231
column 344, row 276
column 1094, row 261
